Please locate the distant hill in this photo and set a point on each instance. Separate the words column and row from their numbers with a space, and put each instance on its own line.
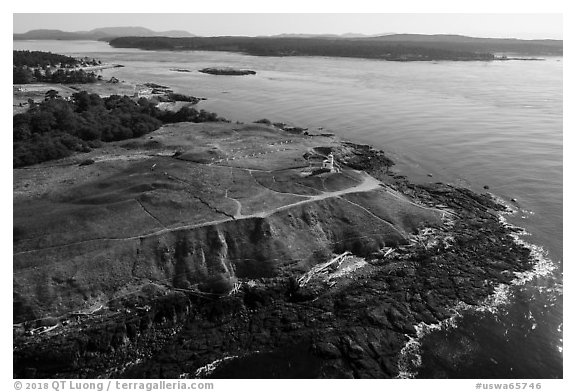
column 47, row 34
column 104, row 33
column 139, row 32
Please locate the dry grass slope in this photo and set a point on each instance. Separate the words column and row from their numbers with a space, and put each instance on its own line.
column 187, row 204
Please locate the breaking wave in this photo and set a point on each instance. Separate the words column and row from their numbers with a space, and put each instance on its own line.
column 410, row 356
column 206, row 370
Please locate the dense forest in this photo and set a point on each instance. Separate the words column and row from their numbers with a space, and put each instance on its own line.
column 303, row 47
column 41, row 59
column 24, row 75
column 35, row 66
column 55, row 128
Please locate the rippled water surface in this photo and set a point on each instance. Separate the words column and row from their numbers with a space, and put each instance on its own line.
column 468, row 123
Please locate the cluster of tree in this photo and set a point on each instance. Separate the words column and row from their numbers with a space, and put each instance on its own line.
column 69, row 76
column 57, row 127
column 41, row 59
column 188, row 114
column 37, row 66
column 274, row 46
column 89, row 61
column 24, row 75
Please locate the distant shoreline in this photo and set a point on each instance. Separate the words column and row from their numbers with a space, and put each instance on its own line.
column 402, row 48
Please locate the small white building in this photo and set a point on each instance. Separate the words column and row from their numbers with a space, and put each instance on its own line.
column 329, row 163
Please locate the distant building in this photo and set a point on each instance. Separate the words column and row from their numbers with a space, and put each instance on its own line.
column 329, row 163
column 317, row 165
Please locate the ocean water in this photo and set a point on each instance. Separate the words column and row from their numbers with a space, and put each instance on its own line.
column 473, row 124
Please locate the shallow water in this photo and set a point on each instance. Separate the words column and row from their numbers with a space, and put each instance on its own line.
column 468, row 123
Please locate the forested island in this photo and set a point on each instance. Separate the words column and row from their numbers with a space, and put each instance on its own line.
column 300, row 47
column 399, row 47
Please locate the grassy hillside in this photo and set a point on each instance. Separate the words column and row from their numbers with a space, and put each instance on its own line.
column 150, row 209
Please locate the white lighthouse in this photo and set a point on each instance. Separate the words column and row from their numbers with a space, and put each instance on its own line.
column 329, row 163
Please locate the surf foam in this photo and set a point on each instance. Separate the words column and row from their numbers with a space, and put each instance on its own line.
column 410, row 355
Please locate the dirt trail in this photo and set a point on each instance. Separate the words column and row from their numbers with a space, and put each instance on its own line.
column 238, row 213
column 368, row 183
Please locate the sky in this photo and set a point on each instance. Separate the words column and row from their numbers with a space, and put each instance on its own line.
column 525, row 26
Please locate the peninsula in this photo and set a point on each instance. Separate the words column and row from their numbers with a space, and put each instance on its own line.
column 230, row 250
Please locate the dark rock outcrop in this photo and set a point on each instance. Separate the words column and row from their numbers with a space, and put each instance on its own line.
column 227, row 71
column 276, row 328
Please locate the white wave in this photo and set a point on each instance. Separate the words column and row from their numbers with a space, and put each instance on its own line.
column 206, row 370
column 410, row 355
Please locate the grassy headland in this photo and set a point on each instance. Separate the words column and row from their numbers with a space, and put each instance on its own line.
column 191, row 244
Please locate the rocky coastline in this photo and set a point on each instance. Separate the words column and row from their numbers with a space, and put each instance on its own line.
column 358, row 327
column 351, row 324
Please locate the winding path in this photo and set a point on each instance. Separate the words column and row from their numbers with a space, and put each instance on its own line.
column 368, row 184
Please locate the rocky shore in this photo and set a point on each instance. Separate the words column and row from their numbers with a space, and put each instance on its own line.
column 288, row 318
column 355, row 327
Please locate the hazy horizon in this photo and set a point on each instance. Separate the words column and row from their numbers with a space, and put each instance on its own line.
column 522, row 26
